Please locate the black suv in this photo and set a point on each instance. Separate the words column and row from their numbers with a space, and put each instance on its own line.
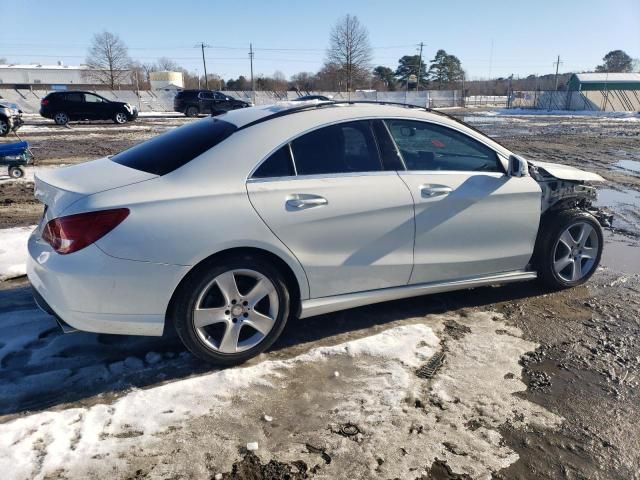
column 65, row 106
column 195, row 102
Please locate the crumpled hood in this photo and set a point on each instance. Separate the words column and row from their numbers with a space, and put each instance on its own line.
column 565, row 172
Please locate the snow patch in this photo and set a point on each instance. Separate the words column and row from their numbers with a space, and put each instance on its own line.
column 13, row 251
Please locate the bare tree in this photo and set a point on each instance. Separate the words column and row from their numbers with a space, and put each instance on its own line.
column 165, row 64
column 349, row 49
column 108, row 59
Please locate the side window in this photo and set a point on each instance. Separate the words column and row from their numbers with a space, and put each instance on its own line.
column 342, row 148
column 205, row 95
column 75, row 97
column 92, row 98
column 219, row 96
column 426, row 146
column 278, row 164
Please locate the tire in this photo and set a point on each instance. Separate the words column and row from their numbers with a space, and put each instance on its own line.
column 120, row 118
column 4, row 127
column 16, row 172
column 568, row 249
column 61, row 118
column 225, row 333
column 192, row 111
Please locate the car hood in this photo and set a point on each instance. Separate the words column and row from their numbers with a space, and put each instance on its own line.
column 565, row 172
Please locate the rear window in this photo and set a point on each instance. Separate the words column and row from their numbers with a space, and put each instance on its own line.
column 171, row 150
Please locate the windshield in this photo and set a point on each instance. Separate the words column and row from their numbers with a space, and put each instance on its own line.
column 177, row 147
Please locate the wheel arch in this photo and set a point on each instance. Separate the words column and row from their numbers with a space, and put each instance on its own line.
column 298, row 288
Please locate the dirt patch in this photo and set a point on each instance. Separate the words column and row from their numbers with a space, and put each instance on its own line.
column 251, row 468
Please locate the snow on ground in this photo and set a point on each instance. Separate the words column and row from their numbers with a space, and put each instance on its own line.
column 13, row 251
column 195, row 427
column 624, row 116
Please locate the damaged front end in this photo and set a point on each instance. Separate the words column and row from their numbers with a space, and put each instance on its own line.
column 565, row 187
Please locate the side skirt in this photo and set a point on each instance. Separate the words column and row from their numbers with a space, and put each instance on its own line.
column 319, row 306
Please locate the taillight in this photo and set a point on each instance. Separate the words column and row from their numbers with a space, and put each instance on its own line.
column 44, row 102
column 74, row 232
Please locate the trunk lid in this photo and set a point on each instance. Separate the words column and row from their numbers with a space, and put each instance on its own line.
column 60, row 187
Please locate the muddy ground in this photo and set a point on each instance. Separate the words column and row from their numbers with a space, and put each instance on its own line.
column 586, row 369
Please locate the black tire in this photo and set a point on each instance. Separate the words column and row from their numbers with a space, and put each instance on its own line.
column 192, row 111
column 61, row 118
column 4, row 127
column 549, row 249
column 120, row 118
column 195, row 287
column 16, row 172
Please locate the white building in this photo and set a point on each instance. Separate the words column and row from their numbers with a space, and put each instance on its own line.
column 39, row 74
column 166, row 80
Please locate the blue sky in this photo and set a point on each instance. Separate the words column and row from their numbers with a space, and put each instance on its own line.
column 292, row 36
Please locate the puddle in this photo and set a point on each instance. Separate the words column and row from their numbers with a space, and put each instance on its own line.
column 629, row 166
column 621, row 254
column 609, row 197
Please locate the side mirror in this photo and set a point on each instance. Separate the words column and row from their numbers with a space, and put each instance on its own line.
column 517, row 167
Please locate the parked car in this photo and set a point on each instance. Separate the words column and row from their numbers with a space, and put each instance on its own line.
column 229, row 226
column 196, row 102
column 304, row 98
column 10, row 118
column 63, row 107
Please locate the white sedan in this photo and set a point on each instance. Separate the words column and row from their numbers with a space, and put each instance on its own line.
column 229, row 226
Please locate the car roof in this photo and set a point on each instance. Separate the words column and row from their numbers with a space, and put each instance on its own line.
column 314, row 113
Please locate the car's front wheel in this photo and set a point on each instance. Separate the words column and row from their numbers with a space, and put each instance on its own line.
column 120, row 118
column 61, row 118
column 569, row 248
column 228, row 312
column 16, row 172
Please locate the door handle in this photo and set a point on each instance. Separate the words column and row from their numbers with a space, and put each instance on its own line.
column 302, row 201
column 430, row 191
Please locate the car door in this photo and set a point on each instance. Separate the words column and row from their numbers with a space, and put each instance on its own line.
column 205, row 101
column 94, row 107
column 471, row 218
column 74, row 105
column 329, row 200
column 221, row 103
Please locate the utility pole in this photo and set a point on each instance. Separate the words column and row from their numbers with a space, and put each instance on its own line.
column 557, row 64
column 419, row 68
column 203, row 45
column 251, row 62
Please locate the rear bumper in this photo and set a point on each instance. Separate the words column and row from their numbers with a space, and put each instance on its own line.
column 93, row 292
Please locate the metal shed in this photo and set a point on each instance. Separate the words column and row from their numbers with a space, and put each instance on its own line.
column 580, row 82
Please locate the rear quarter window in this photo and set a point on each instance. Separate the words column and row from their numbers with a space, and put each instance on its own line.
column 171, row 150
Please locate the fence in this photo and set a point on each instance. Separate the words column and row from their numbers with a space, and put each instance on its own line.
column 162, row 101
column 593, row 100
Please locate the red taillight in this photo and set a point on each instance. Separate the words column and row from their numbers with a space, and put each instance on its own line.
column 44, row 102
column 74, row 232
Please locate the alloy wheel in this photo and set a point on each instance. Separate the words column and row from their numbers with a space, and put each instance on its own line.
column 236, row 311
column 61, row 118
column 575, row 252
column 121, row 118
column 4, row 128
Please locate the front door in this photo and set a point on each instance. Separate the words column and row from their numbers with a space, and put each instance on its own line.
column 471, row 218
column 349, row 222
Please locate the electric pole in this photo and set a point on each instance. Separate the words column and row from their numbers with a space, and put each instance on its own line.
column 557, row 64
column 251, row 62
column 203, row 45
column 419, row 67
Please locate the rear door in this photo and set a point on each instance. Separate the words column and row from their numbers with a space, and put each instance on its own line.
column 205, row 101
column 471, row 218
column 73, row 105
column 329, row 200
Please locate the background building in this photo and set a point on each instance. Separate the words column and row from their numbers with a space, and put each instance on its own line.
column 603, row 81
column 166, row 80
column 39, row 76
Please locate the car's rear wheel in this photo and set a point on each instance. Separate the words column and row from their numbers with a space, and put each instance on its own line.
column 4, row 127
column 61, row 118
column 120, row 118
column 191, row 111
column 231, row 311
column 569, row 248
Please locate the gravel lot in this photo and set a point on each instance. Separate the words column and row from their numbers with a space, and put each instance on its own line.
column 533, row 384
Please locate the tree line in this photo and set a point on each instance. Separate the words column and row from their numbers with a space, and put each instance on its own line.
column 347, row 67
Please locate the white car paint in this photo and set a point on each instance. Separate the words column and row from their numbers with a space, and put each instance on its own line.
column 357, row 247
